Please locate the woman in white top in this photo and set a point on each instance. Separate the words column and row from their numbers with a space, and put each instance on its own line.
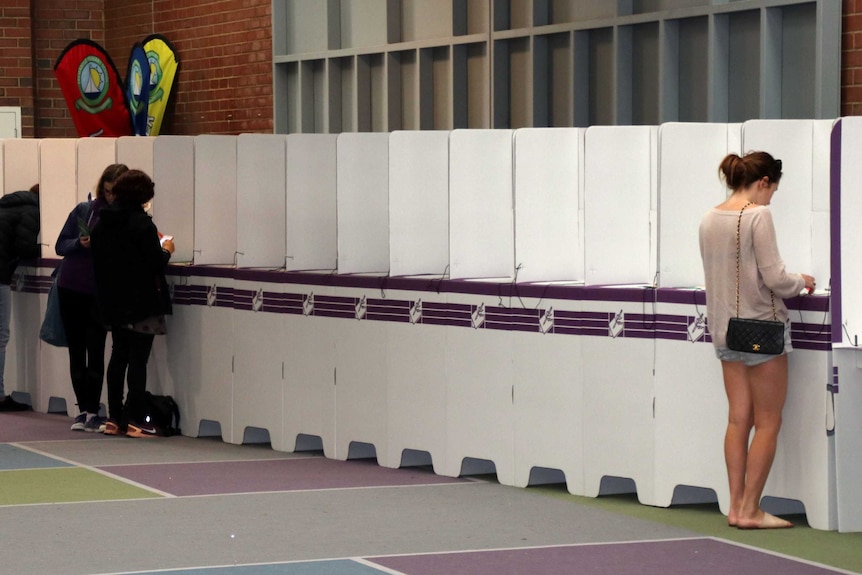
column 756, row 384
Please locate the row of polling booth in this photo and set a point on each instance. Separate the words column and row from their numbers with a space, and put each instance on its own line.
column 525, row 302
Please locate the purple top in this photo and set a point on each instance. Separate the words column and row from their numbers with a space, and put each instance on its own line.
column 76, row 273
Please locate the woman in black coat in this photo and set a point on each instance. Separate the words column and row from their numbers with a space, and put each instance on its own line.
column 130, row 263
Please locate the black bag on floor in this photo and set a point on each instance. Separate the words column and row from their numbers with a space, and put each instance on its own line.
column 162, row 411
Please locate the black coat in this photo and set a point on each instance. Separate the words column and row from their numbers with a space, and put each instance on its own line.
column 130, row 265
column 19, row 231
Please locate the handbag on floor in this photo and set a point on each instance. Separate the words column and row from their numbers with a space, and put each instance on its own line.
column 52, row 331
column 753, row 335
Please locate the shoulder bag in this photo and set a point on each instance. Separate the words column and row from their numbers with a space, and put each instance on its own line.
column 753, row 335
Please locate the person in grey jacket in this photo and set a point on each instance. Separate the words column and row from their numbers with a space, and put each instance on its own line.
column 19, row 240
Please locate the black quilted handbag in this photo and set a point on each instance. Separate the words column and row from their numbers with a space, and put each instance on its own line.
column 753, row 335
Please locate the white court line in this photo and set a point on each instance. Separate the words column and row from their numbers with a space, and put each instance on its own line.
column 785, row 556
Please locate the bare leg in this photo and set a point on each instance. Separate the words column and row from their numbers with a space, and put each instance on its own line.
column 756, row 397
column 739, row 423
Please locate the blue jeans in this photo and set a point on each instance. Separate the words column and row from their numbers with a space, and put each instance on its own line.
column 5, row 320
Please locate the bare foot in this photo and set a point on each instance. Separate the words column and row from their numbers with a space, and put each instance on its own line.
column 765, row 521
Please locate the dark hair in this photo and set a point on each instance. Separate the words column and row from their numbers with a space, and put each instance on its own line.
column 34, row 189
column 109, row 176
column 134, row 187
column 742, row 172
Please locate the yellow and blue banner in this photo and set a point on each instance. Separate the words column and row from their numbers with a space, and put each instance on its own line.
column 138, row 89
column 163, row 68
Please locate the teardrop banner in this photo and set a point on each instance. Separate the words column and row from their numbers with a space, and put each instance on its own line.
column 138, row 89
column 163, row 69
column 93, row 90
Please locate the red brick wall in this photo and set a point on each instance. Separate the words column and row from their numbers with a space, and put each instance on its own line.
column 55, row 24
column 224, row 84
column 225, row 48
column 16, row 60
column 851, row 57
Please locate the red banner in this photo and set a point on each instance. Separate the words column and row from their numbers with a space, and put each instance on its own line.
column 93, row 90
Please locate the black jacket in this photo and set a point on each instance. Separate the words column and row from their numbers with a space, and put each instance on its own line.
column 130, row 265
column 19, row 231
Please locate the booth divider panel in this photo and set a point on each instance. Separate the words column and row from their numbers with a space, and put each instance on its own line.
column 548, row 239
column 174, row 203
column 20, row 164
column 94, row 155
column 481, row 219
column 261, row 198
column 792, row 142
column 689, row 186
column 215, row 200
column 618, row 204
column 57, row 194
column 136, row 152
column 418, row 202
column 363, row 203
column 311, row 234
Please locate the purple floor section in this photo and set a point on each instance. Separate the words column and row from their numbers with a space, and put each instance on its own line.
column 34, row 426
column 682, row 557
column 278, row 475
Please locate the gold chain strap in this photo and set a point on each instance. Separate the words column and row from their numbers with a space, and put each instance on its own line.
column 771, row 294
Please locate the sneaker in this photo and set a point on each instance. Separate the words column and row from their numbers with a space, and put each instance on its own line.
column 95, row 424
column 142, row 430
column 112, row 427
column 80, row 422
column 9, row 404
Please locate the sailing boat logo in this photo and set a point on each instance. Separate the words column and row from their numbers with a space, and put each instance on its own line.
column 93, row 84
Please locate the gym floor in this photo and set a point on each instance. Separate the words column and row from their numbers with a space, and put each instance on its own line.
column 84, row 504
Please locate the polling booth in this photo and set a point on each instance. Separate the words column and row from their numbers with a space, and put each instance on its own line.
column 549, row 255
column 619, row 247
column 523, row 302
column 418, row 174
column 846, row 382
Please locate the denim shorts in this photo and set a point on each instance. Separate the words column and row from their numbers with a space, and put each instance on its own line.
column 752, row 359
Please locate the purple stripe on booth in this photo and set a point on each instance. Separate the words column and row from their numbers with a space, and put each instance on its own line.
column 835, row 228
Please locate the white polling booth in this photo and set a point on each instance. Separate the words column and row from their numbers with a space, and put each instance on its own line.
column 691, row 406
column 566, row 343
column 619, row 206
column 847, row 321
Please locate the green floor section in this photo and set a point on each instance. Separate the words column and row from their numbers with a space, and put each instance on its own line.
column 64, row 485
column 841, row 550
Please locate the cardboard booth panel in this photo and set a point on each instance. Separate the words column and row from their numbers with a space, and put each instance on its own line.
column 56, row 189
column 851, row 231
column 311, row 237
column 136, row 152
column 94, row 155
column 689, row 186
column 481, row 222
column 792, row 142
column 174, row 203
column 261, row 167
column 363, row 203
column 21, row 164
column 215, row 200
column 418, row 202
column 547, row 200
column 618, row 204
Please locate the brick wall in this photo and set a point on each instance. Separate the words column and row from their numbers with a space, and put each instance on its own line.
column 851, row 57
column 224, row 84
column 225, row 49
column 55, row 24
column 16, row 60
